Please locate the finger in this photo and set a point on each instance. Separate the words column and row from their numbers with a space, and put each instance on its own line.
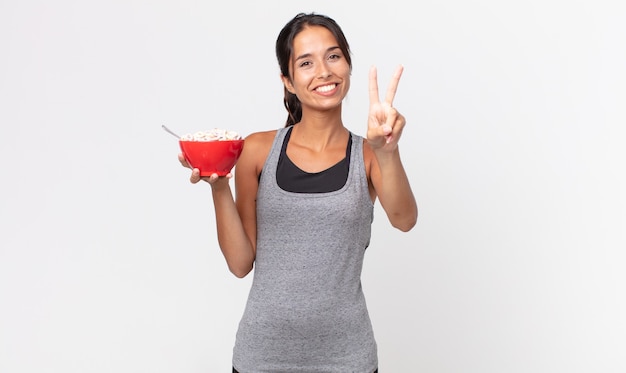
column 373, row 86
column 211, row 179
column 182, row 160
column 195, row 176
column 389, row 125
column 391, row 114
column 393, row 86
column 393, row 125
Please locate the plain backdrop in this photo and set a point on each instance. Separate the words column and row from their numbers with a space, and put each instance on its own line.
column 514, row 147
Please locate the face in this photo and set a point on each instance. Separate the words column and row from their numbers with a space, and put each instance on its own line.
column 319, row 70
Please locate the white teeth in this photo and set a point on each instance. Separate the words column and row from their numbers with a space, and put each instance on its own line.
column 326, row 88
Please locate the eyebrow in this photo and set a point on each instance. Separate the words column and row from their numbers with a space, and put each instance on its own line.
column 307, row 55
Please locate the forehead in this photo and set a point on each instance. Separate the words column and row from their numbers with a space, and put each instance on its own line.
column 313, row 38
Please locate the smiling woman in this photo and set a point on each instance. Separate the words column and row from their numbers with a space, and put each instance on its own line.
column 514, row 145
column 304, row 208
column 319, row 75
column 338, row 51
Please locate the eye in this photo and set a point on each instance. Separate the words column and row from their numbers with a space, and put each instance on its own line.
column 334, row 56
column 304, row 64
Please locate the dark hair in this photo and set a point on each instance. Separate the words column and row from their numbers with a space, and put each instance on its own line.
column 284, row 49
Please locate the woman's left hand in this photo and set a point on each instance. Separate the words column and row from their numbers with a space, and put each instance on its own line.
column 385, row 123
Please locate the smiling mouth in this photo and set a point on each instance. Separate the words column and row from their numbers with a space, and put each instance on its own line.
column 326, row 88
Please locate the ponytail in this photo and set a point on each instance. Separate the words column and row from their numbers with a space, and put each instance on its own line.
column 294, row 108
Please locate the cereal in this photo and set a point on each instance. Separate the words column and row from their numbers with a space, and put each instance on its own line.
column 216, row 134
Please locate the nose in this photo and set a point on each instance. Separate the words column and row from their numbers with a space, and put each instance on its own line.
column 324, row 72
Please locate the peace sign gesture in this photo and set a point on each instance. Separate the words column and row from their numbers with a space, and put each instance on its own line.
column 385, row 123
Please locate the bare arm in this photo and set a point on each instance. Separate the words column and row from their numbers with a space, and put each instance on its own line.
column 236, row 221
column 387, row 174
column 238, row 249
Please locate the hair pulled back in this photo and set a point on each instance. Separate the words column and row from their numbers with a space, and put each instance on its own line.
column 284, row 50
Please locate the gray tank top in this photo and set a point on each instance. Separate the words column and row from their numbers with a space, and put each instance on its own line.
column 306, row 311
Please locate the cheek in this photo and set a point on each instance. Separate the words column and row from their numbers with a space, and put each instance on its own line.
column 346, row 81
column 346, row 73
column 301, row 80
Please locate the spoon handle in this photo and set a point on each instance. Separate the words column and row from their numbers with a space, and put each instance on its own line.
column 170, row 131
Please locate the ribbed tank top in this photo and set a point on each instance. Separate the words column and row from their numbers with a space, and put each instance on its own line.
column 306, row 311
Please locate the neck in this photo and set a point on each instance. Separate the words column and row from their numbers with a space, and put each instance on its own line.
column 318, row 135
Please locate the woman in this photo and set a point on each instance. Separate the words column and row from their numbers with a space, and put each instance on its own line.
column 304, row 208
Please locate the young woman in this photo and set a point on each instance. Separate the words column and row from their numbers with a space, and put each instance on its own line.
column 303, row 213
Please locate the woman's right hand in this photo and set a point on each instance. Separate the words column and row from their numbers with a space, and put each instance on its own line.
column 236, row 245
column 195, row 173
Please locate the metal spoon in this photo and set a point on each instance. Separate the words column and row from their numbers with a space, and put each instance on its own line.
column 170, row 131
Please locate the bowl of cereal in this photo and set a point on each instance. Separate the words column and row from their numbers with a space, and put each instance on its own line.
column 214, row 151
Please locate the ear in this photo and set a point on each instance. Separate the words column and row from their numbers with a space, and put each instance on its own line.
column 287, row 84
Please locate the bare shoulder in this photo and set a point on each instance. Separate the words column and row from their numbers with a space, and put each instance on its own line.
column 256, row 147
column 259, row 143
column 263, row 138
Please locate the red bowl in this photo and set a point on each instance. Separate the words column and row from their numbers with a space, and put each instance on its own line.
column 212, row 157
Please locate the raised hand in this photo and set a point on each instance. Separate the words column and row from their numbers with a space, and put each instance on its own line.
column 385, row 123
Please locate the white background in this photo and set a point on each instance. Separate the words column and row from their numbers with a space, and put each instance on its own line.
column 514, row 148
